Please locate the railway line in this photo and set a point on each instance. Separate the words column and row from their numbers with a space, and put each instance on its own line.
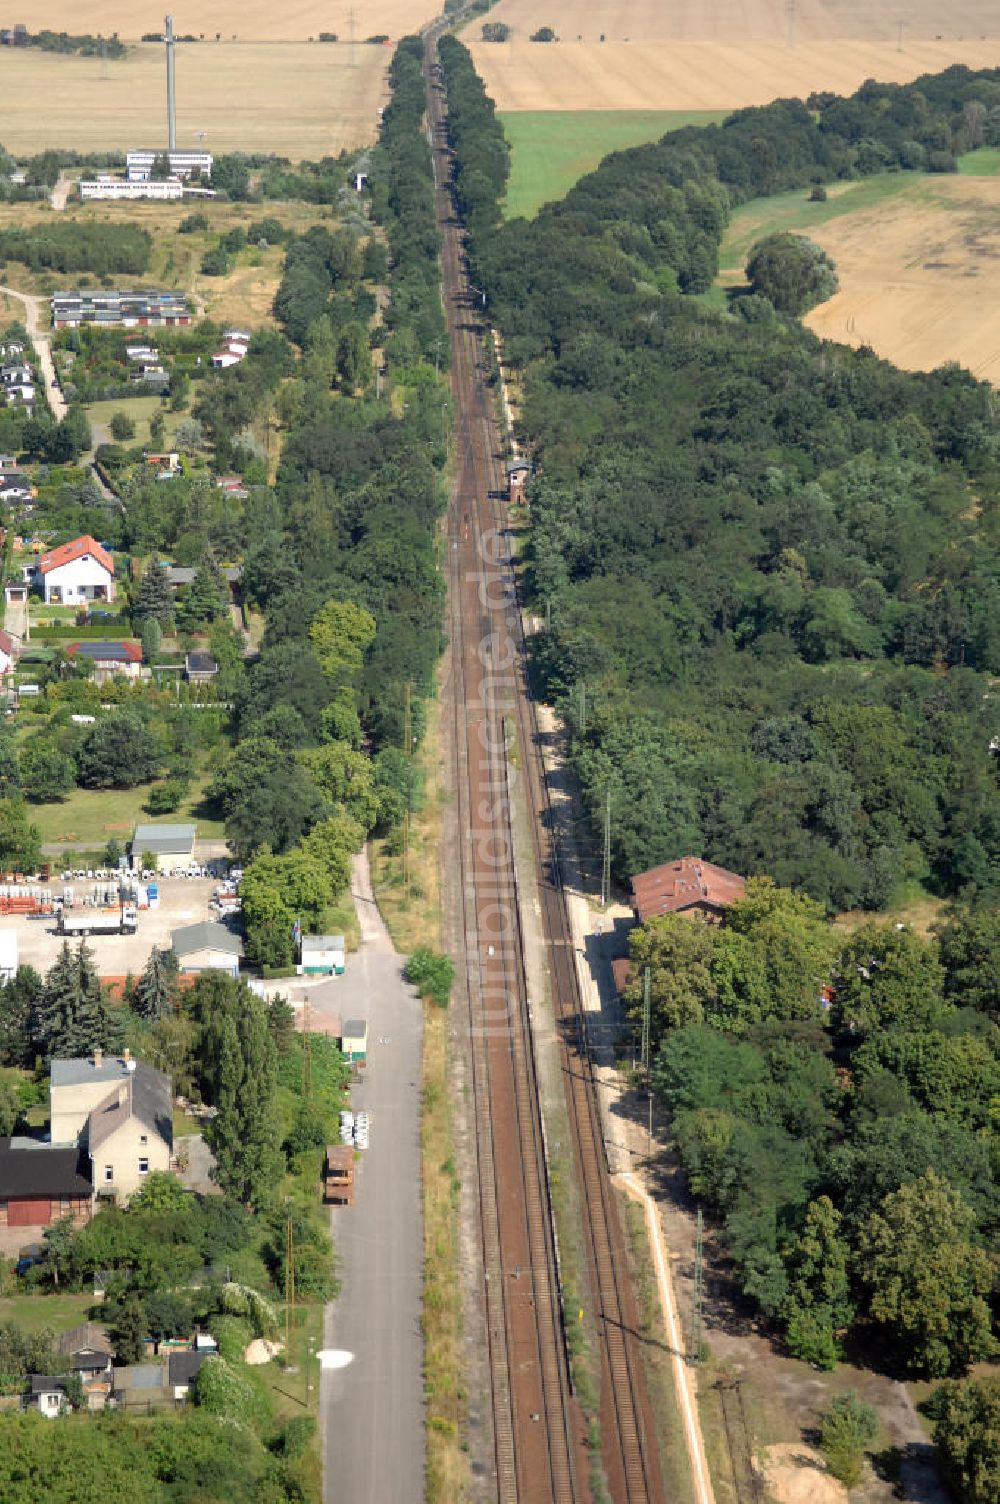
column 538, row 1429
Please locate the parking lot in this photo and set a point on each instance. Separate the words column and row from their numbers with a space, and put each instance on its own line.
column 183, row 900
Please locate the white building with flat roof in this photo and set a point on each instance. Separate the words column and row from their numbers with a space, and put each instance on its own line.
column 119, row 188
column 139, row 164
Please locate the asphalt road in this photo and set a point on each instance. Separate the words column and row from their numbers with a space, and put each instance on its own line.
column 372, row 1411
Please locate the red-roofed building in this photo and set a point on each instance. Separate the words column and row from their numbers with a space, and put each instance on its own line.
column 686, row 886
column 76, row 573
column 111, row 660
column 8, row 654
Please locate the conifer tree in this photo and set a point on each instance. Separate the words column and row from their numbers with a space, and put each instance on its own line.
column 72, row 1016
column 156, row 989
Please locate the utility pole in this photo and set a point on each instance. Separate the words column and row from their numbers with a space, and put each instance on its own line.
column 307, row 1058
column 790, row 8
column 644, row 1049
column 899, row 36
column 407, row 753
column 606, row 864
column 289, row 1286
column 696, row 1298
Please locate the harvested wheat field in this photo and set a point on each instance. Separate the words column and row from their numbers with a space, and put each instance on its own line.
column 292, row 99
column 249, row 20
column 920, row 276
column 703, row 56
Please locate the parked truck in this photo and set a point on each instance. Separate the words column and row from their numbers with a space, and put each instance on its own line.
column 338, row 1175
column 121, row 921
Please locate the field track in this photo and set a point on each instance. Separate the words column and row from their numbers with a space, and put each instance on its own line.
column 540, row 1452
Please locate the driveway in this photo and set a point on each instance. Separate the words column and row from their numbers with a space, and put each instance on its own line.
column 37, row 325
column 371, row 1411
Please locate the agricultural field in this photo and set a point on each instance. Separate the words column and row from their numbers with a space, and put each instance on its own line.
column 696, row 57
column 551, row 149
column 291, row 99
column 296, row 20
column 916, row 258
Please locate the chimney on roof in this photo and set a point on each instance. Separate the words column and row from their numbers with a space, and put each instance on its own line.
column 98, row 1059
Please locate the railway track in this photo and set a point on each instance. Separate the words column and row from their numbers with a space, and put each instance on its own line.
column 538, row 1433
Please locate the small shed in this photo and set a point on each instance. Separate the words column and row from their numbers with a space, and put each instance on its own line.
column 48, row 1395
column 354, row 1043
column 518, row 473
column 200, row 668
column 207, row 947
column 322, row 955
column 171, row 845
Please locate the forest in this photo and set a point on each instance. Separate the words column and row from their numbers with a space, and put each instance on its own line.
column 79, row 246
column 768, row 565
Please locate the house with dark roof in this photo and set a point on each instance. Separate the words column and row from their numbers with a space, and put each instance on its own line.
column 120, row 1111
column 183, row 1369
column 200, row 668
column 76, row 573
column 89, row 1353
column 207, row 947
column 141, row 1386
column 41, row 1182
column 47, row 1395
column 686, row 886
column 110, row 660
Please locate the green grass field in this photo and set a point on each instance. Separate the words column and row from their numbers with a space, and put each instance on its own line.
column 91, row 817
column 984, row 163
column 793, row 211
column 552, row 149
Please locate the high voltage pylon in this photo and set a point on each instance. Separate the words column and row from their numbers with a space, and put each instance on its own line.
column 696, row 1298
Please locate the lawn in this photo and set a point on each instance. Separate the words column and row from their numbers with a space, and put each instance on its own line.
column 140, row 410
column 89, row 818
column 552, row 149
column 35, row 1312
column 984, row 163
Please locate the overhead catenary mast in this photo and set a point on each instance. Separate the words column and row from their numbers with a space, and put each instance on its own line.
column 171, row 103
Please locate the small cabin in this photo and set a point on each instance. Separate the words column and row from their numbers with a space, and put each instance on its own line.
column 338, row 1175
column 518, row 474
column 354, row 1043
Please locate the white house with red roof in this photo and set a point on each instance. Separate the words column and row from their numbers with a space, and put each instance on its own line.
column 76, row 573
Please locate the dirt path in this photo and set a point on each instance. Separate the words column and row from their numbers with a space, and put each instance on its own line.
column 61, row 191
column 33, row 322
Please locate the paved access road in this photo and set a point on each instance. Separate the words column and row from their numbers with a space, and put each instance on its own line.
column 372, row 1412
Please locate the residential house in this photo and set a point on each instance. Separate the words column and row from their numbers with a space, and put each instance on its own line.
column 207, row 947
column 8, row 654
column 130, row 1134
column 81, row 1083
column 170, row 460
column 686, row 886
column 518, row 473
column 178, row 575
column 48, row 1395
column 170, row 845
column 15, row 487
column 41, row 1182
column 200, row 668
column 76, row 573
column 111, row 660
column 89, row 1353
column 322, row 955
column 222, row 359
column 16, row 374
column 142, row 352
column 232, row 485
column 19, row 394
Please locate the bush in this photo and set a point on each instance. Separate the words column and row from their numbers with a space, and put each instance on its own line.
column 846, row 1429
column 818, row 194
column 192, row 223
column 233, row 1335
column 432, row 974
column 495, row 31
column 164, row 798
column 122, row 427
column 544, row 34
column 295, row 1439
column 792, row 272
column 215, row 263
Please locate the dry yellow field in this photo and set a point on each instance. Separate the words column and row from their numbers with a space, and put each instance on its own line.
column 250, row 20
column 290, row 98
column 696, row 55
column 919, row 276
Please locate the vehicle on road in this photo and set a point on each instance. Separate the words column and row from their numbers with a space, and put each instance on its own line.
column 338, row 1175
